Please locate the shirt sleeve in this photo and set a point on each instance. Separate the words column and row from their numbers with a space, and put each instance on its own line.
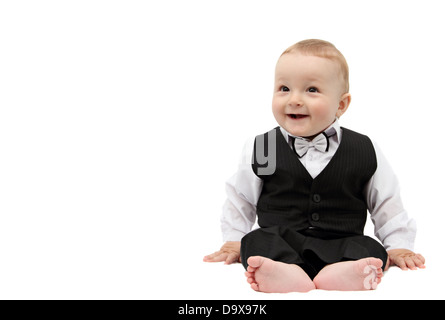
column 392, row 226
column 243, row 190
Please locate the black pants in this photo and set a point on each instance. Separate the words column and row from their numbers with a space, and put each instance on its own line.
column 312, row 250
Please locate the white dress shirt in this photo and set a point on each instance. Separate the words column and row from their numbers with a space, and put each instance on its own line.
column 392, row 225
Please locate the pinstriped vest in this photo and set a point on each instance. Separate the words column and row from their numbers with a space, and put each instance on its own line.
column 333, row 202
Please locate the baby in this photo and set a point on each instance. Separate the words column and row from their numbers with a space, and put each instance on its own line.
column 310, row 184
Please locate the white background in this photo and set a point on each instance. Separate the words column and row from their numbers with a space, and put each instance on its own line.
column 121, row 120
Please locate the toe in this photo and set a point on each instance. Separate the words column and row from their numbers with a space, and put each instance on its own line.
column 255, row 262
column 251, row 269
column 254, row 286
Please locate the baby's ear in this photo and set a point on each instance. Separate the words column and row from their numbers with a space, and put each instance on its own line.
column 345, row 100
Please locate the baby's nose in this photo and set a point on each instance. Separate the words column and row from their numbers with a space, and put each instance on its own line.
column 295, row 100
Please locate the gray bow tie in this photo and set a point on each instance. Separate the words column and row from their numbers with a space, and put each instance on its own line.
column 301, row 146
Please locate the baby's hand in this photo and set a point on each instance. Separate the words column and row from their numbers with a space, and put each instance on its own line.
column 229, row 252
column 406, row 259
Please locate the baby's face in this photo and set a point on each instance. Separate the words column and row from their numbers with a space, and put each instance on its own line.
column 308, row 94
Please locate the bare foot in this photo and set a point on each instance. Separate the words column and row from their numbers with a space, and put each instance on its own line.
column 266, row 275
column 364, row 274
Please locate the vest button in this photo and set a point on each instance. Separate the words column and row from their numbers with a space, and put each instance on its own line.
column 316, row 197
column 315, row 216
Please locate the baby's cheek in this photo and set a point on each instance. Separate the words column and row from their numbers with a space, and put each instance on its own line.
column 278, row 112
column 323, row 112
column 277, row 106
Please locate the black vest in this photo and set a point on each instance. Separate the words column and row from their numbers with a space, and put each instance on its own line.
column 332, row 202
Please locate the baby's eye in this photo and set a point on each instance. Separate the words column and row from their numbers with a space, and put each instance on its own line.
column 284, row 89
column 312, row 89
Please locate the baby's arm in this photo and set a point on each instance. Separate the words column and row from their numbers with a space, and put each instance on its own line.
column 229, row 252
column 406, row 259
column 393, row 227
column 239, row 210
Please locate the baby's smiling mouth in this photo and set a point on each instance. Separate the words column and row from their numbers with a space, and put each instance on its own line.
column 297, row 116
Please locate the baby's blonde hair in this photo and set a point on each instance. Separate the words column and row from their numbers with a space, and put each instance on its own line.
column 323, row 49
